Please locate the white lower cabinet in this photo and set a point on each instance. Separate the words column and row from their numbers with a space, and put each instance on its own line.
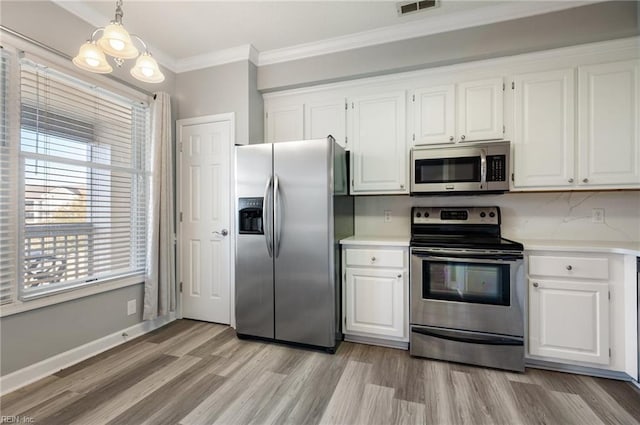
column 375, row 293
column 580, row 305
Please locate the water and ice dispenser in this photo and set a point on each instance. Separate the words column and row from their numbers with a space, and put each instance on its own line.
column 250, row 216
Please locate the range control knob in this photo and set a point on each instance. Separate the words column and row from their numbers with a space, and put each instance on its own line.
column 483, row 214
column 426, row 215
column 418, row 215
column 492, row 214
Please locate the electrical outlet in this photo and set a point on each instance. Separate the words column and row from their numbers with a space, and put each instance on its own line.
column 131, row 307
column 597, row 215
column 387, row 216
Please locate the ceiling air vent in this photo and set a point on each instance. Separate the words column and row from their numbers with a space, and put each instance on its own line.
column 405, row 7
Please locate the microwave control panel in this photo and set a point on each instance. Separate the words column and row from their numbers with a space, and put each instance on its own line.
column 496, row 168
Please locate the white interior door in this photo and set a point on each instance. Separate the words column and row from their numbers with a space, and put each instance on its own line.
column 205, row 225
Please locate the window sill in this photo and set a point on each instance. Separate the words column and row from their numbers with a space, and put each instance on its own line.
column 85, row 291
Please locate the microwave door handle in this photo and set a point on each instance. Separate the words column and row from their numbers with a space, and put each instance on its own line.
column 483, row 169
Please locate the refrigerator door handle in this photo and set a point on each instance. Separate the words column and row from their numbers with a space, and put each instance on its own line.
column 277, row 216
column 266, row 207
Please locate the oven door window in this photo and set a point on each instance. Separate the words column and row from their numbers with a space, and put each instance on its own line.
column 448, row 170
column 466, row 282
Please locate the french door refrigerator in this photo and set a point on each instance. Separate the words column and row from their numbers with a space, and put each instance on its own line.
column 292, row 209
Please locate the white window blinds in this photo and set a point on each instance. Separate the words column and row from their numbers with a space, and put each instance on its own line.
column 8, row 209
column 84, row 182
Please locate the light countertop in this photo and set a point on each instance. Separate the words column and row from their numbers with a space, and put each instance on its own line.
column 611, row 247
column 376, row 240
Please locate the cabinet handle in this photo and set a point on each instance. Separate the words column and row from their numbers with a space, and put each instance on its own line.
column 570, row 180
column 399, row 276
column 535, row 284
column 462, row 137
column 569, row 267
column 585, row 180
column 373, row 259
column 451, row 138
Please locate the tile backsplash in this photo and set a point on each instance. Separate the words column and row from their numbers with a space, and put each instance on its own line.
column 548, row 215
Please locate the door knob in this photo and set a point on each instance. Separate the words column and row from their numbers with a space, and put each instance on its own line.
column 373, row 259
column 569, row 267
column 570, row 180
column 451, row 138
column 223, row 232
column 585, row 180
column 462, row 137
column 535, row 284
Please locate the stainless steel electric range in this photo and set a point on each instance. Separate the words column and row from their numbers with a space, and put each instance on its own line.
column 467, row 288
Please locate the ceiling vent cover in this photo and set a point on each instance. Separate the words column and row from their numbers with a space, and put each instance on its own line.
column 405, row 7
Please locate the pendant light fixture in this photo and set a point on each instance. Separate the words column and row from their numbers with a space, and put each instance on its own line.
column 117, row 43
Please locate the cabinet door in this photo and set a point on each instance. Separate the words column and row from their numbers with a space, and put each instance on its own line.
column 284, row 123
column 480, row 110
column 379, row 155
column 434, row 115
column 543, row 144
column 375, row 302
column 609, row 149
column 569, row 320
column 326, row 118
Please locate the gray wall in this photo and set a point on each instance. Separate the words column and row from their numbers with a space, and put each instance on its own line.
column 30, row 337
column 221, row 89
column 602, row 21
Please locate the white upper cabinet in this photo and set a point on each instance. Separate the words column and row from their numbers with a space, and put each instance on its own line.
column 543, row 137
column 480, row 110
column 464, row 112
column 323, row 118
column 379, row 153
column 434, row 115
column 284, row 123
column 609, row 124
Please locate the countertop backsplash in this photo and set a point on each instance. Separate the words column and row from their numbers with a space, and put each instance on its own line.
column 548, row 215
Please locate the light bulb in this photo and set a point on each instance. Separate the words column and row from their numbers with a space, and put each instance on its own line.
column 93, row 62
column 116, row 44
column 147, row 71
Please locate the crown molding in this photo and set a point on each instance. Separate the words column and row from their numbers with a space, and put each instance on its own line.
column 428, row 26
column 219, row 57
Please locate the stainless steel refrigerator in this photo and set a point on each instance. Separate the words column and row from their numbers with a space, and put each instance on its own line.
column 292, row 208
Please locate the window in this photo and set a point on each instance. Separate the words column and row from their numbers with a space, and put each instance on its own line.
column 83, row 182
column 8, row 212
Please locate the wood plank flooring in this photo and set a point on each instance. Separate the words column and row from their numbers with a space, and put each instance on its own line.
column 191, row 372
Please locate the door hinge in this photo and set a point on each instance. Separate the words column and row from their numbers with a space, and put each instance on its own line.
column 352, row 107
column 513, row 85
column 180, row 146
column 346, row 106
column 503, row 129
column 413, row 98
column 351, row 182
column 513, row 177
column 414, row 137
column 180, row 216
column 609, row 352
column 502, row 86
column 609, row 295
column 346, row 140
column 180, row 286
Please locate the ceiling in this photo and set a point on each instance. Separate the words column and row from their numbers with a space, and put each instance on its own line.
column 185, row 35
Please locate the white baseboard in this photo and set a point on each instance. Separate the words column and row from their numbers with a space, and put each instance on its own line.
column 401, row 345
column 32, row 373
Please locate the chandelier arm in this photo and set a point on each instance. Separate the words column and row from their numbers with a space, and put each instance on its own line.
column 144, row 45
column 96, row 31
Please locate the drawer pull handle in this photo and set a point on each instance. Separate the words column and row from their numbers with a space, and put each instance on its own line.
column 569, row 267
column 373, row 259
column 535, row 284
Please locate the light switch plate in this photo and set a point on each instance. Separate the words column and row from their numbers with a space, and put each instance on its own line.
column 597, row 215
column 131, row 307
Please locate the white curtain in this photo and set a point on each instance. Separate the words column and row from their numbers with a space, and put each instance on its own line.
column 160, row 283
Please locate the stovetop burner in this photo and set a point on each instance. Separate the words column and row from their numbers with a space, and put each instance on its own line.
column 460, row 228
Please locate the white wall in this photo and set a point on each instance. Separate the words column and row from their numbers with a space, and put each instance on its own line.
column 557, row 215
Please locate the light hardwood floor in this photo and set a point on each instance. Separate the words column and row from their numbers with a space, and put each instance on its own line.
column 199, row 373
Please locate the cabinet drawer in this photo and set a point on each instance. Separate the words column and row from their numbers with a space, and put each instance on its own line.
column 581, row 267
column 375, row 257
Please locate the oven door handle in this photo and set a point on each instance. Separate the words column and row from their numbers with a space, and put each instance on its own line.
column 470, row 339
column 497, row 259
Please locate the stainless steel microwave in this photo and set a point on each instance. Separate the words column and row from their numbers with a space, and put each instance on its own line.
column 471, row 168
